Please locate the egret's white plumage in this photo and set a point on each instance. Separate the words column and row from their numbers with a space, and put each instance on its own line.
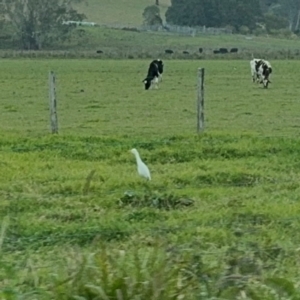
column 141, row 166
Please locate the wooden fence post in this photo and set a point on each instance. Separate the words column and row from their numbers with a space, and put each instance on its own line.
column 52, row 99
column 200, row 101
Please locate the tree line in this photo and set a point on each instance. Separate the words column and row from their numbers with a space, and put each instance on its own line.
column 241, row 15
column 35, row 24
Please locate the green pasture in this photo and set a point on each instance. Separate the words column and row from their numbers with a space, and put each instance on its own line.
column 124, row 12
column 219, row 219
column 107, row 97
column 118, row 43
column 138, row 44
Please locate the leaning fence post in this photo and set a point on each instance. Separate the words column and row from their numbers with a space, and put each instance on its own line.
column 52, row 99
column 200, row 100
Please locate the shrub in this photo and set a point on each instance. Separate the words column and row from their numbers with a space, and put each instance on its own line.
column 244, row 29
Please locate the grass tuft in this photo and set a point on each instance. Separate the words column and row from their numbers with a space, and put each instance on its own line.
column 155, row 200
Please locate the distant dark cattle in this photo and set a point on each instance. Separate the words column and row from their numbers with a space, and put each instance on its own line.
column 99, row 51
column 200, row 50
column 154, row 74
column 185, row 52
column 234, row 50
column 223, row 50
column 169, row 51
column 216, row 51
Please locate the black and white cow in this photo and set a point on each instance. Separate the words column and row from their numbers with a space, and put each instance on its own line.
column 264, row 71
column 260, row 71
column 160, row 65
column 254, row 70
column 156, row 68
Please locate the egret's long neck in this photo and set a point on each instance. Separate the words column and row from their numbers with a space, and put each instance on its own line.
column 137, row 156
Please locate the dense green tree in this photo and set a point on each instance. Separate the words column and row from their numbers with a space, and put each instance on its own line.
column 265, row 5
column 187, row 13
column 283, row 9
column 291, row 10
column 152, row 16
column 39, row 22
column 274, row 22
column 243, row 13
column 215, row 13
column 273, row 14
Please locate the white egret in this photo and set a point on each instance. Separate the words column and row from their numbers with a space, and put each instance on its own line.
column 141, row 166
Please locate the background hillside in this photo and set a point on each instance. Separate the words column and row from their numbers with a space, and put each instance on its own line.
column 127, row 12
column 122, row 36
column 134, row 44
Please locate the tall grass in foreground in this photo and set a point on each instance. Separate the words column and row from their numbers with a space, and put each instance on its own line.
column 153, row 272
column 233, row 236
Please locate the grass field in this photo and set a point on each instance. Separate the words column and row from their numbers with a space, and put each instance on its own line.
column 106, row 97
column 125, row 12
column 220, row 218
column 151, row 42
column 121, row 44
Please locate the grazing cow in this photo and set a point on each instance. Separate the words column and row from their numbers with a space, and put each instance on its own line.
column 264, row 71
column 200, row 50
column 223, row 50
column 185, row 52
column 169, row 51
column 216, row 51
column 254, row 70
column 99, row 51
column 155, row 71
column 260, row 71
column 234, row 50
column 160, row 65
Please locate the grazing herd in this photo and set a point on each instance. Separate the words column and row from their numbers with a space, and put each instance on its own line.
column 261, row 70
column 216, row 51
column 201, row 50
